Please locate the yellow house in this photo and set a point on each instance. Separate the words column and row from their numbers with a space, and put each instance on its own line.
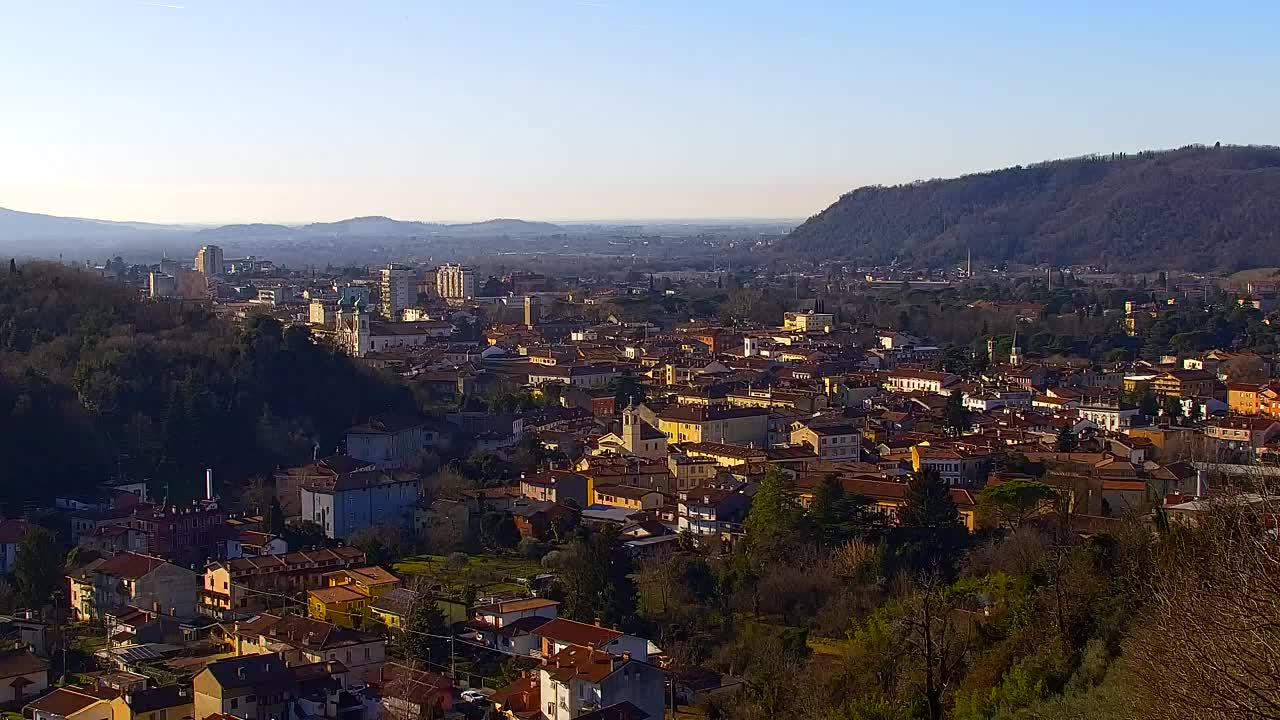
column 625, row 496
column 1244, row 398
column 341, row 605
column 171, row 702
column 372, row 581
column 345, row 599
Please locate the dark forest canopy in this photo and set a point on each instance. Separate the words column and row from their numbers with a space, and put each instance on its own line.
column 1195, row 208
column 94, row 383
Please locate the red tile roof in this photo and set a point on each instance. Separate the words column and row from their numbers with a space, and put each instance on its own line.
column 563, row 630
column 130, row 565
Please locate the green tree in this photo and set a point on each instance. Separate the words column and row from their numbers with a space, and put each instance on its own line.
column 929, row 503
column 836, row 517
column 775, row 510
column 1148, row 404
column 957, row 416
column 596, row 579
column 1010, row 504
column 1066, row 440
column 305, row 534
column 425, row 619
column 498, row 531
column 274, row 521
column 38, row 569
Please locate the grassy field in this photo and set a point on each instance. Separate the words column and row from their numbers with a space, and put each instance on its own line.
column 489, row 574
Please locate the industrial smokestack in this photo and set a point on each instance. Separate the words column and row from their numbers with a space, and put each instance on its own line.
column 1200, row 485
column 208, row 484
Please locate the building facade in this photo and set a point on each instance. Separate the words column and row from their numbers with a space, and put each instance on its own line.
column 455, row 282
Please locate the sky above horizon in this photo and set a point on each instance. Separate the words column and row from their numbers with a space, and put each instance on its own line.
column 291, row 111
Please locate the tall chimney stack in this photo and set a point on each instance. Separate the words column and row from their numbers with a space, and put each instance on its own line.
column 208, row 484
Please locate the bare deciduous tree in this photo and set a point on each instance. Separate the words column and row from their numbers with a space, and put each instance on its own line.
column 1210, row 644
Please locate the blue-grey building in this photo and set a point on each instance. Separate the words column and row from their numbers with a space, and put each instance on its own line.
column 357, row 500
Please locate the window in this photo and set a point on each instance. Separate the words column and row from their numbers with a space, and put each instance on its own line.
column 366, row 653
column 164, row 714
column 251, row 699
column 235, row 703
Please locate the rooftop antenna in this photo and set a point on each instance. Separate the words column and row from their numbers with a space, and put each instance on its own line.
column 968, row 263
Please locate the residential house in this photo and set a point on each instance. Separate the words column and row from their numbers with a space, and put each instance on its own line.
column 252, row 542
column 71, row 703
column 501, row 614
column 578, row 680
column 12, row 532
column 300, row 641
column 263, row 687
column 955, row 465
column 831, row 441
column 926, row 381
column 692, row 424
column 344, row 601
column 389, row 441
column 326, row 471
column 562, row 633
column 129, row 579
column 1245, row 398
column 358, row 500
column 575, row 375
column 711, row 511
column 1108, row 414
column 543, row 520
column 234, row 587
column 409, row 694
column 556, row 486
column 623, row 496
column 22, row 676
column 514, row 638
column 1185, row 383
column 688, row 471
column 1243, row 433
column 169, row 702
column 186, row 535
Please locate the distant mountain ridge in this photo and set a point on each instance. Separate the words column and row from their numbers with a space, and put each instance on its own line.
column 1195, row 208
column 17, row 228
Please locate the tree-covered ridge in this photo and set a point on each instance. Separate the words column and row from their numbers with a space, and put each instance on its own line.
column 94, row 383
column 1194, row 208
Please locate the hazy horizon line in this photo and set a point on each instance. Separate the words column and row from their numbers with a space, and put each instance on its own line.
column 688, row 220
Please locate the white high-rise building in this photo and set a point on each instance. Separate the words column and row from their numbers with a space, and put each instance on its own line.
column 455, row 282
column 398, row 289
column 209, row 260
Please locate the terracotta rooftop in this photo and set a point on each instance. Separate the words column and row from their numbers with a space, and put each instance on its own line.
column 563, row 630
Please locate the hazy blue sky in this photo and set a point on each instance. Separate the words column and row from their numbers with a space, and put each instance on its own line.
column 230, row 110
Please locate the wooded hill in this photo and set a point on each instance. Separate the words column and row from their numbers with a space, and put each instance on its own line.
column 1196, row 208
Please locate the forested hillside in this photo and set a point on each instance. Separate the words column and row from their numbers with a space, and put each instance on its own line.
column 1193, row 209
column 94, row 383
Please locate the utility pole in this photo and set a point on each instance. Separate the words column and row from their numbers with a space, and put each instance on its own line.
column 452, row 668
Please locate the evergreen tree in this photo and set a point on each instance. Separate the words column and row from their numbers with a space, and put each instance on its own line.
column 957, row 415
column 274, row 520
column 836, row 517
column 775, row 510
column 425, row 619
column 1066, row 439
column 37, row 570
column 929, row 504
